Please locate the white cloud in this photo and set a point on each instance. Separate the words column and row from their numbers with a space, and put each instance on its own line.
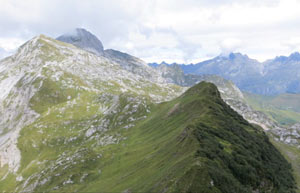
column 230, row 45
column 156, row 30
column 9, row 45
column 3, row 53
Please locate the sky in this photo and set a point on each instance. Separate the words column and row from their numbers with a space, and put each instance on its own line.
column 182, row 31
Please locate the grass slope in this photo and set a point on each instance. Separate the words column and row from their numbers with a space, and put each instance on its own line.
column 292, row 154
column 282, row 108
column 194, row 143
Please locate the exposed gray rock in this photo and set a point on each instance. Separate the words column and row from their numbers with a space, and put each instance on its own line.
column 83, row 39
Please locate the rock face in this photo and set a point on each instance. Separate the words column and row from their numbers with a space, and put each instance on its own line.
column 83, row 39
column 133, row 64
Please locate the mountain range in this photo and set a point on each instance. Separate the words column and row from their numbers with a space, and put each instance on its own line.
column 75, row 117
column 275, row 76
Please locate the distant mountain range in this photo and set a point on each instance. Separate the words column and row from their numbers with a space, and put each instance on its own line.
column 279, row 75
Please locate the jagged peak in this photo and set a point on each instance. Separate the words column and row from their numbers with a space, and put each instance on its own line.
column 295, row 56
column 164, row 63
column 233, row 55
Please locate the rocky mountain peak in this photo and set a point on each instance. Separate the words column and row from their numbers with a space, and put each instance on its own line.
column 234, row 56
column 83, row 39
column 293, row 57
column 164, row 63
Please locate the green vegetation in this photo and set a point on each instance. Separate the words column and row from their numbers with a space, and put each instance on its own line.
column 195, row 143
column 284, row 108
column 54, row 92
column 292, row 154
column 249, row 162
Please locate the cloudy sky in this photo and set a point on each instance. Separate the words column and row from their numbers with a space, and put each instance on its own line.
column 161, row 30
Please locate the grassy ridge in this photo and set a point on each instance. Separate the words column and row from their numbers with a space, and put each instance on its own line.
column 195, row 143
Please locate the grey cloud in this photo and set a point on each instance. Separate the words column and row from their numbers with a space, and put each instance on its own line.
column 189, row 48
column 106, row 19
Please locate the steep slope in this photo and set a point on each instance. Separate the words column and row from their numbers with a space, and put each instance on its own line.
column 194, row 143
column 46, row 74
column 133, row 64
column 246, row 106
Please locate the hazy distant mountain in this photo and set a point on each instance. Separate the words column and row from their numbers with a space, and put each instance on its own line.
column 232, row 65
column 283, row 73
column 279, row 75
column 154, row 65
column 242, row 70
